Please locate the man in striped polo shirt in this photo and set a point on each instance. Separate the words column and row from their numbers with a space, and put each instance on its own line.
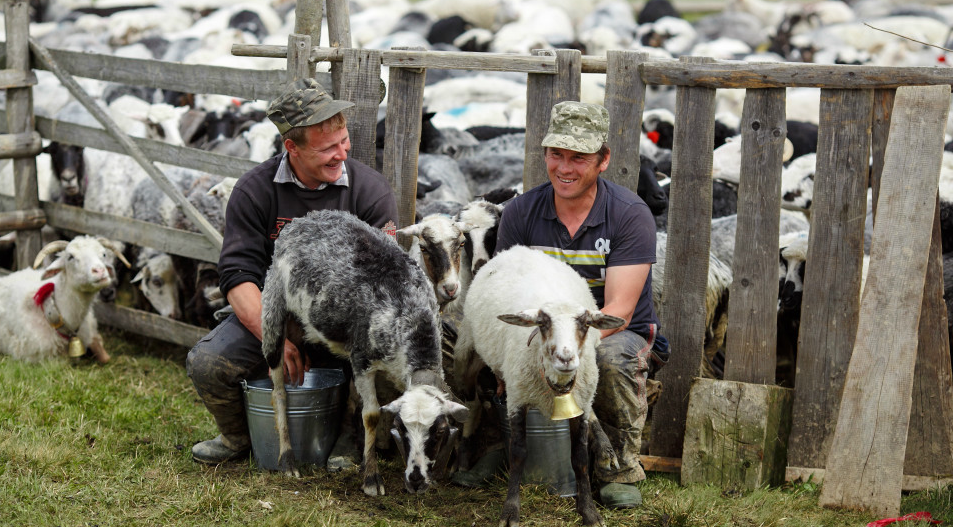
column 607, row 234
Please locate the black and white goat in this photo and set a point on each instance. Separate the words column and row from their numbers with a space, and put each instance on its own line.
column 338, row 281
column 45, row 310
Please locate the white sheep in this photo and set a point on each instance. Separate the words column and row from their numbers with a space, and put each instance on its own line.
column 46, row 310
column 336, row 280
column 524, row 289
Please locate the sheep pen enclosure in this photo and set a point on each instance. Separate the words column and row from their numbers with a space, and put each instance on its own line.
column 858, row 109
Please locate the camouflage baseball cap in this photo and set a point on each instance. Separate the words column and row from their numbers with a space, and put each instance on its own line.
column 577, row 126
column 304, row 103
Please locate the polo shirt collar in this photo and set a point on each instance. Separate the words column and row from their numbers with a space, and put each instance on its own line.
column 596, row 213
column 286, row 175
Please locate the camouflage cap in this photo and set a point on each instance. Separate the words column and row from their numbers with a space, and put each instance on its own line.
column 304, row 103
column 578, row 126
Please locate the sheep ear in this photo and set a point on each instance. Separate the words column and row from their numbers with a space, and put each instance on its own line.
column 394, row 407
column 600, row 320
column 526, row 318
column 464, row 226
column 457, row 411
column 139, row 276
column 410, row 230
column 50, row 272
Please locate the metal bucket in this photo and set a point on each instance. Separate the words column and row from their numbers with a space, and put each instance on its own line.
column 314, row 417
column 548, row 451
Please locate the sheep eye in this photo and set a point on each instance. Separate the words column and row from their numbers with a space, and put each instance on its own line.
column 157, row 281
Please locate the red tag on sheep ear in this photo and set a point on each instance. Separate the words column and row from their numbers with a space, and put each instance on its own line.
column 43, row 293
column 653, row 136
column 390, row 229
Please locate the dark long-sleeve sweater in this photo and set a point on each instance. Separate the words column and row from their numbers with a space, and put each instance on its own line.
column 258, row 208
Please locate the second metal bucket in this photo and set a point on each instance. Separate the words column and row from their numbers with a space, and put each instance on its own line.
column 548, row 449
column 314, row 417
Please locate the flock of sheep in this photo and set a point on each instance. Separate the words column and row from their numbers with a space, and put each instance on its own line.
column 471, row 158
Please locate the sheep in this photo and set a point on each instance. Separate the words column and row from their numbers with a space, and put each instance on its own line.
column 353, row 289
column 525, row 288
column 159, row 282
column 438, row 248
column 49, row 310
column 723, row 232
column 483, row 218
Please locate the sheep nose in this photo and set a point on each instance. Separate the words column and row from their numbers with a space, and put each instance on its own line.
column 416, row 479
column 450, row 290
column 98, row 271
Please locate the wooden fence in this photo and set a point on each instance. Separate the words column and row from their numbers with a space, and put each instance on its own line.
column 856, row 104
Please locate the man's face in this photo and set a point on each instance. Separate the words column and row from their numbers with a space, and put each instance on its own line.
column 573, row 174
column 322, row 156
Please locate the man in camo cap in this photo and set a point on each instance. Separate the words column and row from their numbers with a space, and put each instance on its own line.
column 313, row 173
column 607, row 234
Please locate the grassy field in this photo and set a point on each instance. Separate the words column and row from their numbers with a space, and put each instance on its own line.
column 82, row 444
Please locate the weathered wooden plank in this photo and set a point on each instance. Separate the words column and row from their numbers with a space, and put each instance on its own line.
column 751, row 355
column 405, row 102
column 183, row 156
column 23, row 144
column 16, row 79
column 542, row 92
column 625, row 100
column 930, row 434
column 689, row 240
column 189, row 78
column 660, row 464
column 339, row 36
column 781, row 75
column 299, row 67
column 447, row 60
column 832, row 289
column 865, row 464
column 128, row 230
column 908, row 484
column 148, row 324
column 160, row 179
column 362, row 86
column 879, row 133
column 19, row 105
column 22, row 219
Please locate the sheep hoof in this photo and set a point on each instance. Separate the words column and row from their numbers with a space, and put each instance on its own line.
column 373, row 485
column 102, row 357
column 510, row 516
column 286, row 464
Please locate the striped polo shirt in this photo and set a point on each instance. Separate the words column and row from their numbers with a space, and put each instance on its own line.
column 619, row 230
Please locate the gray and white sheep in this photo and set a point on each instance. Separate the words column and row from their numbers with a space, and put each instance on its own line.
column 524, row 289
column 45, row 309
column 337, row 281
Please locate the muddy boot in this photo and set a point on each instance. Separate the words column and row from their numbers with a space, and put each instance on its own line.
column 488, row 466
column 214, row 452
column 620, row 496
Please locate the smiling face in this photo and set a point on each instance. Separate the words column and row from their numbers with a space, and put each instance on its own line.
column 321, row 156
column 573, row 174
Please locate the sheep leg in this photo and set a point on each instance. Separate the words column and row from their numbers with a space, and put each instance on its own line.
column 370, row 414
column 579, row 435
column 511, row 507
column 99, row 351
column 274, row 316
column 279, row 401
column 601, row 446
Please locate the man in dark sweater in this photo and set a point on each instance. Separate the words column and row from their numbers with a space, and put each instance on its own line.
column 315, row 173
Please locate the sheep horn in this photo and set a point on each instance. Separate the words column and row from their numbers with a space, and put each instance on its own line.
column 51, row 248
column 109, row 244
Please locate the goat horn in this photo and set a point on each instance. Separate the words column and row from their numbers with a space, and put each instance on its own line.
column 111, row 245
column 51, row 248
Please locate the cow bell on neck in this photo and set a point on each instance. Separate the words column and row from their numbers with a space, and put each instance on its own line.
column 565, row 407
column 76, row 348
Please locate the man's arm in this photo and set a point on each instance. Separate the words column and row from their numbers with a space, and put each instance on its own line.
column 624, row 285
column 245, row 299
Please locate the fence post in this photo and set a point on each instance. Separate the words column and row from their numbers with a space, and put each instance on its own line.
column 625, row 100
column 750, row 354
column 879, row 133
column 308, row 14
column 543, row 90
column 339, row 36
column 299, row 51
column 20, row 120
column 362, row 87
column 831, row 299
column 405, row 102
column 689, row 240
column 865, row 465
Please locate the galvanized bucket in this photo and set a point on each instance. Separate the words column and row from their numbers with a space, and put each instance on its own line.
column 548, row 451
column 314, row 417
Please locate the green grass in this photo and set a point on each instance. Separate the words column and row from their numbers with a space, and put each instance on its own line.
column 83, row 444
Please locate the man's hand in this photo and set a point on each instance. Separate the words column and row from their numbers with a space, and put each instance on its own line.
column 295, row 365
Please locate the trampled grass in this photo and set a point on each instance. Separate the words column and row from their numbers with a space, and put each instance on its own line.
column 82, row 444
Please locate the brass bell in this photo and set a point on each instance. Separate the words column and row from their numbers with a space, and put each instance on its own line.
column 565, row 407
column 76, row 348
